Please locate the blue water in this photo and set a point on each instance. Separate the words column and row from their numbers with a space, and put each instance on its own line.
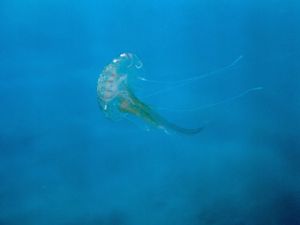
column 63, row 163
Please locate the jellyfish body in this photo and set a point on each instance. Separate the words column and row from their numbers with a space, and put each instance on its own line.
column 116, row 97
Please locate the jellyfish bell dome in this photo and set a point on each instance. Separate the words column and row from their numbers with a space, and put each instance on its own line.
column 126, row 62
column 115, row 81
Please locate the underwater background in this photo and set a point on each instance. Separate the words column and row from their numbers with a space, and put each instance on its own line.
column 62, row 162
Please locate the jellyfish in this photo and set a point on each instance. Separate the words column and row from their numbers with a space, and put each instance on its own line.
column 117, row 99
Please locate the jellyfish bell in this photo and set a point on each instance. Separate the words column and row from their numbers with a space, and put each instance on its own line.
column 117, row 99
column 113, row 84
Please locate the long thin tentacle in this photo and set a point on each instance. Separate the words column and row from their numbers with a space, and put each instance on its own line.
column 180, row 83
column 224, row 101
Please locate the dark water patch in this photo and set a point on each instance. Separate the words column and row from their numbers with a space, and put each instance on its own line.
column 287, row 208
column 113, row 218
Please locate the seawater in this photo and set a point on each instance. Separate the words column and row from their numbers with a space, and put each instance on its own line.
column 63, row 162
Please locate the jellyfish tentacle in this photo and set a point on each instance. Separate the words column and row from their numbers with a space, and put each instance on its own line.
column 208, row 106
column 141, row 110
column 187, row 81
column 194, row 78
column 173, row 127
column 143, row 127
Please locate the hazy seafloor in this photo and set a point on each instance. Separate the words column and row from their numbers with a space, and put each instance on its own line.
column 63, row 163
